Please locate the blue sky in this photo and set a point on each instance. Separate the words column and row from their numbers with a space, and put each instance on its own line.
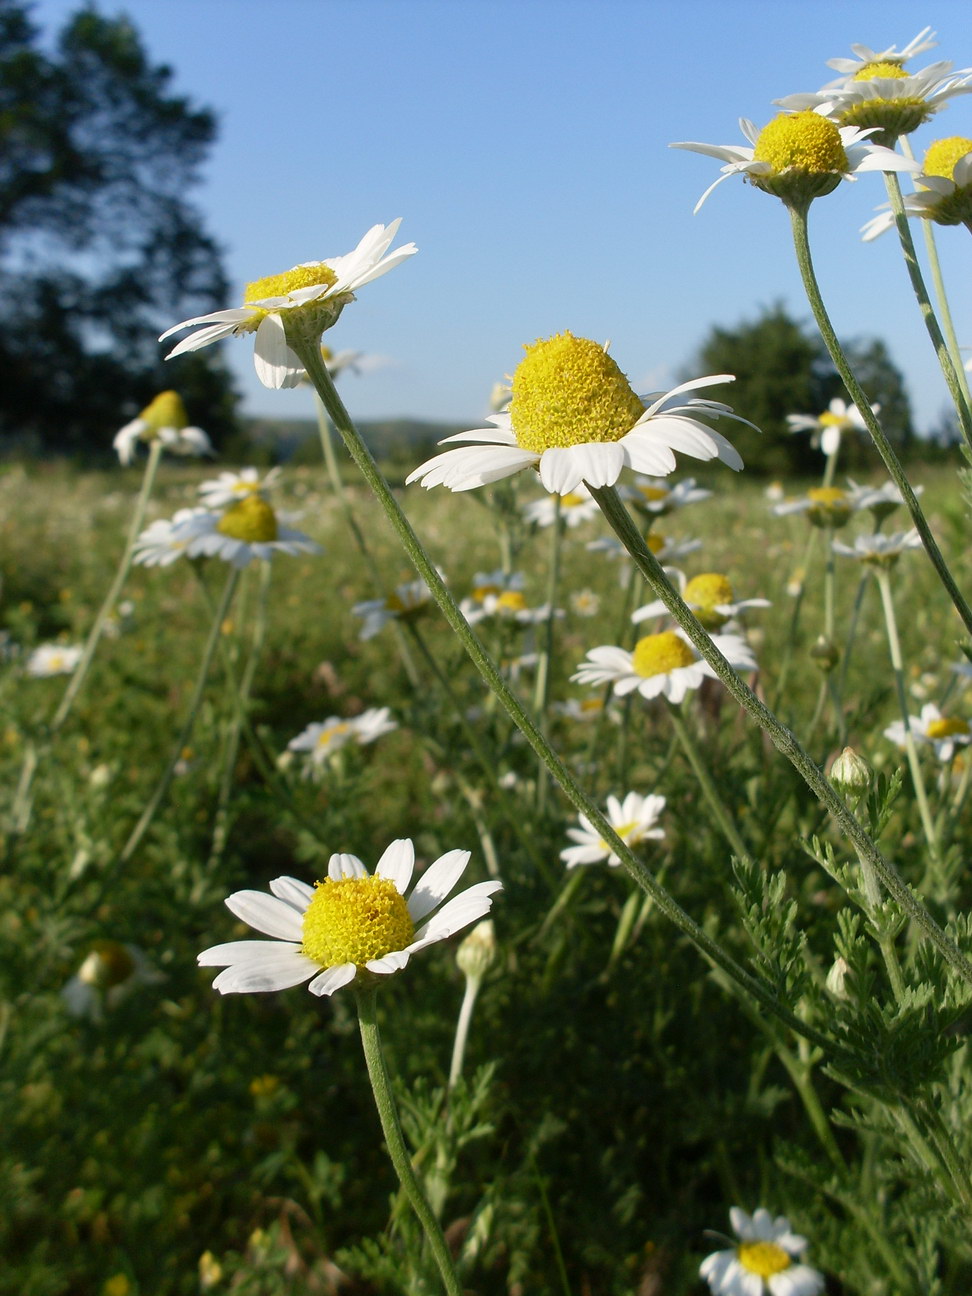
column 525, row 144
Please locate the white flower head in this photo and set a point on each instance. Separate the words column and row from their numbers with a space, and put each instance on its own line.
column 942, row 733
column 574, row 418
column 166, row 539
column 164, row 420
column 879, row 550
column 304, row 301
column 825, row 506
column 634, row 820
column 828, row 428
column 109, row 972
column 405, row 603
column 53, row 659
column 925, row 40
column 572, row 509
column 765, row 1260
column 322, row 739
column 350, row 924
column 244, row 531
column 656, row 497
column 945, row 188
column 660, row 665
column 231, row 487
column 878, row 500
column 709, row 595
column 799, row 156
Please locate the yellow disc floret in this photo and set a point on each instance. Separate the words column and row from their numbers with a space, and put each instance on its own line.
column 705, row 594
column 659, row 654
column 829, row 506
column 656, row 542
column 654, row 494
column 330, row 732
column 804, row 141
column 355, row 920
column 511, row 601
column 763, row 1258
column 943, row 154
column 885, row 68
column 567, row 391
column 947, row 727
column 165, row 411
column 314, row 275
column 828, row 419
column 251, row 519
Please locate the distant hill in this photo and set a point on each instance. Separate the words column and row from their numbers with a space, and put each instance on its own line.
column 283, row 440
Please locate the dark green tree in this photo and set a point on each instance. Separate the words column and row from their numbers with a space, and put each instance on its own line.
column 781, row 368
column 99, row 250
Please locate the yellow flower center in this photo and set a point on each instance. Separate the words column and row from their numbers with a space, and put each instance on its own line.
column 590, row 705
column 947, row 727
column 250, row 519
column 870, row 71
column 622, row 830
column 805, row 141
column 654, row 494
column 482, row 592
column 655, row 542
column 354, row 920
column 165, row 411
column 571, row 500
column 705, row 593
column 829, row 506
column 658, row 654
column 834, row 420
column 943, row 154
column 314, row 275
column 511, row 601
column 332, row 731
column 568, row 391
column 109, row 964
column 763, row 1258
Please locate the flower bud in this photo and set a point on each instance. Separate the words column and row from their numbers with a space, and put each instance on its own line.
column 850, row 773
column 836, row 977
column 477, row 952
column 825, row 653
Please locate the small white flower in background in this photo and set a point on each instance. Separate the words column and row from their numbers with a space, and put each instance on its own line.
column 665, row 548
column 880, row 500
column 660, row 665
column 657, row 497
column 945, row 185
column 53, row 659
column 774, row 492
column 109, row 972
column 310, row 297
column 163, row 419
column 879, row 550
column 799, row 156
column 825, row 506
column 585, row 709
column 165, row 540
column 711, row 598
column 572, row 509
column 407, row 602
column 231, row 487
column 493, row 592
column 322, row 739
column 585, row 603
column 942, row 733
column 828, row 428
column 350, row 924
column 243, row 532
column 925, row 40
column 633, row 819
column 339, row 362
column 575, row 418
column 764, row 1260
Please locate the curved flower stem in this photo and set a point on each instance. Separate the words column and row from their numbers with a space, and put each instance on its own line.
column 950, row 371
column 309, row 356
column 395, row 1140
column 706, row 782
column 462, row 1029
column 897, row 666
column 783, row 739
column 884, row 446
column 148, row 814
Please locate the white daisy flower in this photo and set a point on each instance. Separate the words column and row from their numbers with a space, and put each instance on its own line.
column 660, row 665
column 799, row 156
column 879, row 550
column 407, row 602
column 585, row 710
column 827, row 428
column 825, row 506
column 309, row 298
column 942, row 733
column 665, row 548
column 885, row 101
column 575, row 419
column 230, row 487
column 585, row 603
column 946, row 184
column 765, row 1260
column 246, row 530
column 633, row 819
column 925, row 40
column 492, row 592
column 109, row 972
column 709, row 595
column 350, row 924
column 879, row 500
column 165, row 540
column 655, row 496
column 53, row 659
column 572, row 509
column 322, row 740
column 163, row 419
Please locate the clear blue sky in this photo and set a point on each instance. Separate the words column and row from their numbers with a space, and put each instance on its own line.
column 525, row 144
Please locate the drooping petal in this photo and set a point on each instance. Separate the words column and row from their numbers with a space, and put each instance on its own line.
column 332, row 979
column 563, row 468
column 276, row 365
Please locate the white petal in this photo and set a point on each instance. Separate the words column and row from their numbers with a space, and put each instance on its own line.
column 292, row 891
column 196, row 341
column 236, row 315
column 332, row 979
column 436, row 883
column 397, row 864
column 255, row 966
column 275, row 363
column 345, row 866
column 563, row 468
column 393, row 962
column 471, row 466
column 458, row 913
column 265, row 913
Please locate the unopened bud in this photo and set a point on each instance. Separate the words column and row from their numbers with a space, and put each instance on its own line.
column 836, row 977
column 476, row 953
column 850, row 773
column 825, row 653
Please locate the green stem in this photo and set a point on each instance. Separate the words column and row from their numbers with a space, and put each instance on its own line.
column 148, row 814
column 706, row 782
column 783, row 739
column 395, row 1141
column 542, row 689
column 309, row 356
column 897, row 666
column 884, row 446
column 462, row 1029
